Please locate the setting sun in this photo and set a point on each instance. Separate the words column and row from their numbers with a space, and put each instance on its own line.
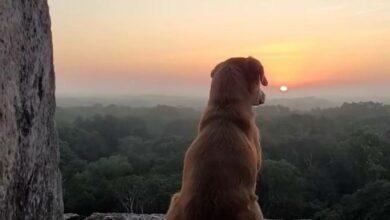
column 283, row 88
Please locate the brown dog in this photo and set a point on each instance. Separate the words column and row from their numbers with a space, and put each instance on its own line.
column 221, row 165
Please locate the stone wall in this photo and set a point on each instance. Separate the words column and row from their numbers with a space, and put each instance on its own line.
column 30, row 181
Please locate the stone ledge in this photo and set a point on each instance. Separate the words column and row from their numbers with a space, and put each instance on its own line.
column 116, row 216
column 123, row 216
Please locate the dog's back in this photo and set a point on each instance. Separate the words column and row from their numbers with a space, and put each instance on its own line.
column 219, row 174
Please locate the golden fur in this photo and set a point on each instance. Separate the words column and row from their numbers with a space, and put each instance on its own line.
column 221, row 165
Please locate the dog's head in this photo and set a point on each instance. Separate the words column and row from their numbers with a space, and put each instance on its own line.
column 238, row 80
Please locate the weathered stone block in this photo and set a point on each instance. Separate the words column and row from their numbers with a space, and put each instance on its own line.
column 30, row 181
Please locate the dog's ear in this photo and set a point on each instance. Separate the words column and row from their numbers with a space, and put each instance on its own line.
column 256, row 71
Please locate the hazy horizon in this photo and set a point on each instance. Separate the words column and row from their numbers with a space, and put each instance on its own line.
column 316, row 48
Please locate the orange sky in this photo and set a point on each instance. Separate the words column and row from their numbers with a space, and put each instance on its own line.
column 162, row 46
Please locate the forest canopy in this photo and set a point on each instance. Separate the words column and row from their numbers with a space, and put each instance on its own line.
column 322, row 164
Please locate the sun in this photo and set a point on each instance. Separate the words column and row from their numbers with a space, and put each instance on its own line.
column 283, row 88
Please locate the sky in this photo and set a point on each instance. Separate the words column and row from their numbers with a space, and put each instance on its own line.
column 169, row 47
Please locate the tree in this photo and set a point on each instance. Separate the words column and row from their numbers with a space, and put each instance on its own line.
column 370, row 202
column 281, row 190
column 93, row 188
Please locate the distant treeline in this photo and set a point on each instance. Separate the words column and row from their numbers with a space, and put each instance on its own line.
column 321, row 164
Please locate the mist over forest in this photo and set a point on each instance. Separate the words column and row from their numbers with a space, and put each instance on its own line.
column 330, row 162
column 294, row 103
